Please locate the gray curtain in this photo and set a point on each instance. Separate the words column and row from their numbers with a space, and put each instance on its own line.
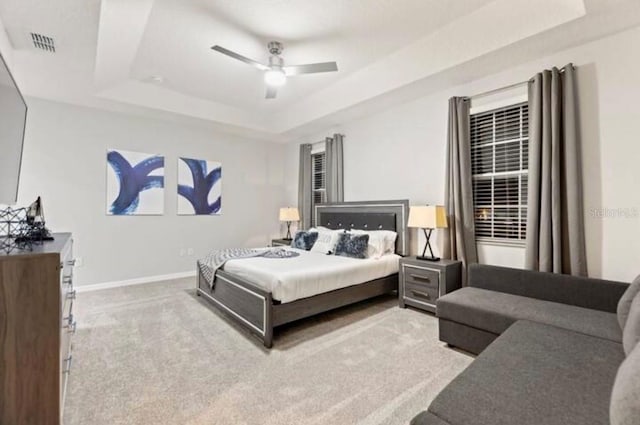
column 304, row 186
column 459, row 241
column 555, row 219
column 335, row 170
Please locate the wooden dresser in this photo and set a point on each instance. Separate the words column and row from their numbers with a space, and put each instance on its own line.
column 36, row 325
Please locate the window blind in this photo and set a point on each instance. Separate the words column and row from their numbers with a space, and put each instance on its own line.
column 499, row 164
column 318, row 180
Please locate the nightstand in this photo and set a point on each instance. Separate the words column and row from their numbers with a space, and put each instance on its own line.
column 280, row 242
column 422, row 282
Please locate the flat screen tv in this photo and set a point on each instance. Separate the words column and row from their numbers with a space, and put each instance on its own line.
column 13, row 116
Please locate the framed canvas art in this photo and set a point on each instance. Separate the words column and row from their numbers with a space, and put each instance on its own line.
column 199, row 187
column 135, row 183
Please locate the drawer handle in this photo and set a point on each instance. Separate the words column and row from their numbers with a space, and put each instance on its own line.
column 71, row 295
column 69, row 320
column 72, row 327
column 70, row 262
column 421, row 294
column 68, row 361
column 422, row 278
column 67, row 280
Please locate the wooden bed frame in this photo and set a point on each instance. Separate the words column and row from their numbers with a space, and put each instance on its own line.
column 255, row 309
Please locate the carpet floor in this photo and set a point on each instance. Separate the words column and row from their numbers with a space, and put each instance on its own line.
column 157, row 354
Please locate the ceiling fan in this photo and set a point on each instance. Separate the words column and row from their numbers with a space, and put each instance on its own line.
column 275, row 74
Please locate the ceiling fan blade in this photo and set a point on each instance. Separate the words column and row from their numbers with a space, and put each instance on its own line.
column 240, row 57
column 271, row 92
column 311, row 68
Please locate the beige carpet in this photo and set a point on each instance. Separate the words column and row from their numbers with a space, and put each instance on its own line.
column 157, row 354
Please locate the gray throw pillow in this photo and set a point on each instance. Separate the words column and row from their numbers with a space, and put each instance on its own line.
column 625, row 398
column 631, row 331
column 625, row 301
column 354, row 246
column 304, row 240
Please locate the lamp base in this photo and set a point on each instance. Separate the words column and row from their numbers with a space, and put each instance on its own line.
column 423, row 258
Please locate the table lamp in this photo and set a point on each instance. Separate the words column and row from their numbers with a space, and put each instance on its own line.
column 427, row 218
column 288, row 215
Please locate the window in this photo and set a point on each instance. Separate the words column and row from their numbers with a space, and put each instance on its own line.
column 499, row 163
column 318, row 179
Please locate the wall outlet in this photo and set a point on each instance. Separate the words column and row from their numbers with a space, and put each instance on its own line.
column 189, row 251
column 183, row 252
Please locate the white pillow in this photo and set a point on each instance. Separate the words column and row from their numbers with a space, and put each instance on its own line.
column 324, row 229
column 327, row 241
column 390, row 239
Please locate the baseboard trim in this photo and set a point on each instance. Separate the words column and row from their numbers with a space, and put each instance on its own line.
column 136, row 281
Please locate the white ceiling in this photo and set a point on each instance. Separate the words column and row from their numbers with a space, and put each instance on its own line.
column 107, row 51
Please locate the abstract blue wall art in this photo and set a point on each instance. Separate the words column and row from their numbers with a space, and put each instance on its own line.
column 135, row 183
column 199, row 187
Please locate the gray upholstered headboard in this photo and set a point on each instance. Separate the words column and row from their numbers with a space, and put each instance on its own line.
column 368, row 215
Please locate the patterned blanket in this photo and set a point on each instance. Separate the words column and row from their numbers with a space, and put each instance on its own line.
column 211, row 263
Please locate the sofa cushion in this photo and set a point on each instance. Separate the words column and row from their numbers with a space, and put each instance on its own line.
column 534, row 374
column 496, row 311
column 631, row 333
column 625, row 399
column 624, row 305
column 427, row 418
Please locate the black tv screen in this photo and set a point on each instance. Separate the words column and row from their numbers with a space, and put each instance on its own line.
column 13, row 115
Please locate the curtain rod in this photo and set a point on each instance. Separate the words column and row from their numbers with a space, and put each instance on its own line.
column 511, row 86
column 505, row 88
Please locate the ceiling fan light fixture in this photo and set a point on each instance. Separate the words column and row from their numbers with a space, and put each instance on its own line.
column 275, row 78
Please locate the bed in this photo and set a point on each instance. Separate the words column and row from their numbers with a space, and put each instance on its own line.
column 260, row 294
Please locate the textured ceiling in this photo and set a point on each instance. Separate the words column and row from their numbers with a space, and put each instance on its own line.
column 107, row 51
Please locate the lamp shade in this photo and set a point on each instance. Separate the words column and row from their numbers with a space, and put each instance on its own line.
column 289, row 214
column 427, row 217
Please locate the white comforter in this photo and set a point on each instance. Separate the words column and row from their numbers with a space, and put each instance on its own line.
column 311, row 273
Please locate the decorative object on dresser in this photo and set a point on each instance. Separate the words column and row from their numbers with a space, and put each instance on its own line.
column 289, row 215
column 36, row 300
column 428, row 218
column 280, row 242
column 14, row 229
column 421, row 283
column 37, row 230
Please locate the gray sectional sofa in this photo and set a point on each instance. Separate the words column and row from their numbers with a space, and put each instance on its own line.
column 552, row 350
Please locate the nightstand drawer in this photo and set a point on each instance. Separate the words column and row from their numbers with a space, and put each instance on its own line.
column 425, row 294
column 421, row 276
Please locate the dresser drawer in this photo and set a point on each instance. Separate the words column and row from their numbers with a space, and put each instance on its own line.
column 421, row 276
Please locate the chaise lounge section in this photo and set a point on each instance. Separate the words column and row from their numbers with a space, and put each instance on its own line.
column 551, row 347
column 473, row 317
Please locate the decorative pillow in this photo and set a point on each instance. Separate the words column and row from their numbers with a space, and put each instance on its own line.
column 354, row 246
column 304, row 240
column 625, row 398
column 624, row 305
column 631, row 332
column 326, row 242
column 377, row 243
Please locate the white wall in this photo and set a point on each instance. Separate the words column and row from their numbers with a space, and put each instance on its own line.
column 400, row 153
column 64, row 162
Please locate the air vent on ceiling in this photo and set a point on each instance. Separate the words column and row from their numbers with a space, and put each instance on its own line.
column 43, row 42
